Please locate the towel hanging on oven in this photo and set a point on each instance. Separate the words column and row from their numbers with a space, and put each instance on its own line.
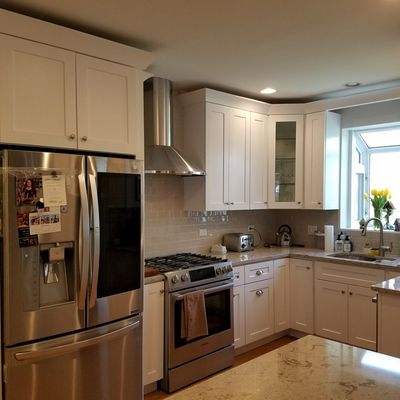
column 193, row 316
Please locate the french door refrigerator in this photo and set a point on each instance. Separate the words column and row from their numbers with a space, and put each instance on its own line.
column 71, row 262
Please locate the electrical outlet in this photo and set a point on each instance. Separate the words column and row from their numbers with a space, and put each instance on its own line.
column 203, row 232
column 251, row 228
column 311, row 229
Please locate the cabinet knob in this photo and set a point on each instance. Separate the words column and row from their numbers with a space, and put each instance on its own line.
column 343, row 292
column 308, row 268
column 265, row 202
column 259, row 272
column 235, row 295
column 299, row 202
column 319, row 203
column 259, row 292
column 351, row 293
column 72, row 136
column 84, row 138
column 231, row 204
column 161, row 291
column 374, row 299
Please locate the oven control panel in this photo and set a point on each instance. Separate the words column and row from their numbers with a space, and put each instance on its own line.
column 196, row 276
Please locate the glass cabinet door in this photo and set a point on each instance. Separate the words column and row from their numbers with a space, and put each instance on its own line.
column 286, row 161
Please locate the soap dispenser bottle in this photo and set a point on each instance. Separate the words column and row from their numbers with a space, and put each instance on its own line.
column 347, row 244
column 339, row 243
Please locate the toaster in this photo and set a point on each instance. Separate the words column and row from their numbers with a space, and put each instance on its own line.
column 239, row 241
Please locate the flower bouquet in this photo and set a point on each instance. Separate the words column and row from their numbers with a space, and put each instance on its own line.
column 378, row 199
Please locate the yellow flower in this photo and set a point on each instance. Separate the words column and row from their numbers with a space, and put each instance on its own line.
column 375, row 192
column 366, row 197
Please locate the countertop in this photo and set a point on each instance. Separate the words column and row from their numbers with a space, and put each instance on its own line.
column 310, row 368
column 391, row 286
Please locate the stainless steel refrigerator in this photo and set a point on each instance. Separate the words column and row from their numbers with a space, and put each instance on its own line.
column 72, row 276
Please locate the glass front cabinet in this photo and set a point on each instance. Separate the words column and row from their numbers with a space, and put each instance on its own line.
column 286, row 161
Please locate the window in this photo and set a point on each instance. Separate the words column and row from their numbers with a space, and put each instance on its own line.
column 371, row 160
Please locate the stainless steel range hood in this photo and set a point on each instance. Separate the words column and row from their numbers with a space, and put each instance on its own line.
column 160, row 155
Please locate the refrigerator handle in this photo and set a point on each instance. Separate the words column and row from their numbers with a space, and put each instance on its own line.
column 84, row 242
column 96, row 240
column 70, row 347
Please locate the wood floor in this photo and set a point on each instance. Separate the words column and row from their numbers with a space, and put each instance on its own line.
column 159, row 395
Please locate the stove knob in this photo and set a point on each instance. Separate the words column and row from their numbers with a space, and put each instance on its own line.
column 230, row 269
column 175, row 279
column 218, row 271
column 224, row 269
column 185, row 277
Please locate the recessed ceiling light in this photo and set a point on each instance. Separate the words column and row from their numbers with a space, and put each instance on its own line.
column 352, row 84
column 268, row 90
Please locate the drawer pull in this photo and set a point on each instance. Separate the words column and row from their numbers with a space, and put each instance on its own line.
column 259, row 292
column 259, row 272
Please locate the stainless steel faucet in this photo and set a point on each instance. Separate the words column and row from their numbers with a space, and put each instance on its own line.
column 363, row 227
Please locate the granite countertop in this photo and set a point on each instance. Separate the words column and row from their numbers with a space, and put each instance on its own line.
column 391, row 286
column 310, row 368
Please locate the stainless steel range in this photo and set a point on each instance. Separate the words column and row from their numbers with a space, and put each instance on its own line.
column 188, row 360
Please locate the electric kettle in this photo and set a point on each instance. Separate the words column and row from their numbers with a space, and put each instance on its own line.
column 283, row 236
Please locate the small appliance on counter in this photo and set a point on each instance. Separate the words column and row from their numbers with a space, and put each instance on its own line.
column 239, row 241
column 284, row 236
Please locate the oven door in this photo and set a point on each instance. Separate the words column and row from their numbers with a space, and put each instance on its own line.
column 219, row 311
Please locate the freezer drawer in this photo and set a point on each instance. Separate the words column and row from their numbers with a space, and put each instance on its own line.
column 103, row 363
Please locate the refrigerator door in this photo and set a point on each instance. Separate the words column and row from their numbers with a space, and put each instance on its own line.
column 102, row 363
column 45, row 266
column 116, row 205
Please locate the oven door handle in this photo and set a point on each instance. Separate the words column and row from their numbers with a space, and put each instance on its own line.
column 206, row 291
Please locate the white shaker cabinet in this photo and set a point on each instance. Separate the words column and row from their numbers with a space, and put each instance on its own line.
column 286, row 137
column 282, row 294
column 321, row 160
column 239, row 328
column 344, row 310
column 37, row 94
column 52, row 97
column 110, row 107
column 217, row 138
column 258, row 161
column 153, row 332
column 302, row 295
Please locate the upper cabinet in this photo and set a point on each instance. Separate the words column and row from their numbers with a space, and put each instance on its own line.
column 322, row 157
column 258, row 161
column 53, row 97
column 285, row 161
column 217, row 138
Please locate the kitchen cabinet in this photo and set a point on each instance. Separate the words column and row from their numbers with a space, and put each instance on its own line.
column 388, row 324
column 302, row 295
column 282, row 294
column 239, row 316
column 53, row 97
column 153, row 332
column 258, row 161
column 344, row 310
column 321, row 160
column 286, row 137
column 217, row 138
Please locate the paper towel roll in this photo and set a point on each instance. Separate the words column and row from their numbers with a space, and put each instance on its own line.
column 329, row 238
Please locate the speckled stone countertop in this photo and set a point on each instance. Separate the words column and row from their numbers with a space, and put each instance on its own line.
column 265, row 254
column 391, row 286
column 310, row 368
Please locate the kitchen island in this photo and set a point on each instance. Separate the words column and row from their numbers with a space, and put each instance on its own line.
column 310, row 368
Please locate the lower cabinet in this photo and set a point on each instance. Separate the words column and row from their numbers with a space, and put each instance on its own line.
column 153, row 332
column 344, row 310
column 302, row 295
column 282, row 294
column 239, row 316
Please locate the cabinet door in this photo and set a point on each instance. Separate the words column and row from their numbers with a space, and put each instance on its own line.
column 321, row 161
column 217, row 129
column 259, row 310
column 286, row 161
column 258, row 161
column 109, row 98
column 388, row 324
column 282, row 294
column 331, row 310
column 236, row 160
column 37, row 94
column 362, row 317
column 238, row 316
column 153, row 332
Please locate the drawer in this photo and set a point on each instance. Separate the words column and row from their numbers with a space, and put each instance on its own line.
column 258, row 271
column 353, row 275
column 238, row 275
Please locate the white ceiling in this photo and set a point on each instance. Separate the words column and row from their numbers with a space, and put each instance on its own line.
column 305, row 49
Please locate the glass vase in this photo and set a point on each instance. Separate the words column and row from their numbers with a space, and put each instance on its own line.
column 377, row 214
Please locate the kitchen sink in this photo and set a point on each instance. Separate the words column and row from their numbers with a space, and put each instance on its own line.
column 361, row 257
